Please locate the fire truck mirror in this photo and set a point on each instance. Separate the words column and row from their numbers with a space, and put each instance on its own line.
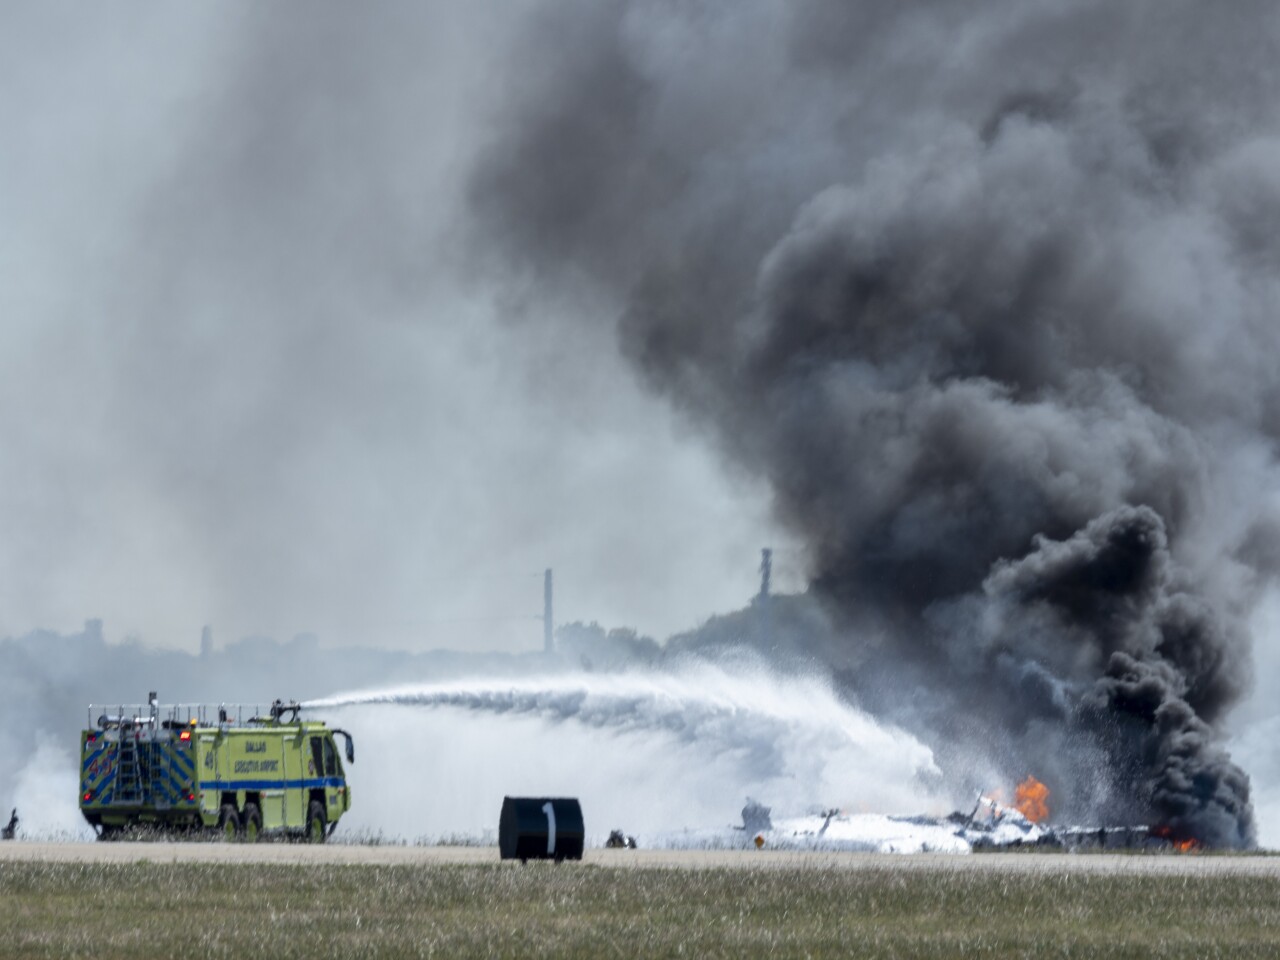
column 351, row 747
column 540, row 828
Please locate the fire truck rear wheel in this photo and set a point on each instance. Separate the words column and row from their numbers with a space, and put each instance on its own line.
column 252, row 822
column 315, row 822
column 229, row 822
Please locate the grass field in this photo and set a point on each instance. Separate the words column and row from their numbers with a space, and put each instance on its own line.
column 576, row 910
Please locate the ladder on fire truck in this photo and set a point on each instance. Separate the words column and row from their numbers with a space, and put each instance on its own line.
column 143, row 765
column 129, row 784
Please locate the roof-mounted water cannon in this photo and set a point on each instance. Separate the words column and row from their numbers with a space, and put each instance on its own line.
column 279, row 708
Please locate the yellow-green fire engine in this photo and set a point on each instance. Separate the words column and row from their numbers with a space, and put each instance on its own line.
column 198, row 768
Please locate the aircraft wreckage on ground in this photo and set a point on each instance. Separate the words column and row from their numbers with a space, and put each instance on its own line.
column 991, row 825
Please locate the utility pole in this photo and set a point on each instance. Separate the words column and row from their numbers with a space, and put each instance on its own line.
column 548, row 641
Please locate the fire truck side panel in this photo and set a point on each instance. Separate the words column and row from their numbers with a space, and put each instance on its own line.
column 295, row 801
column 271, row 799
column 279, row 770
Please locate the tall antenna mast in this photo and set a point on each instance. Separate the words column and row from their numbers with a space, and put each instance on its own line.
column 548, row 642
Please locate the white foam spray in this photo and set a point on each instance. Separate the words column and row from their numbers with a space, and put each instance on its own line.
column 646, row 752
column 45, row 794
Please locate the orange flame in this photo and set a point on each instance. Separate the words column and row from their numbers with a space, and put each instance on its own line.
column 1187, row 845
column 1032, row 800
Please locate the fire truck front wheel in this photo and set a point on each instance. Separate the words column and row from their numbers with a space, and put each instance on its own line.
column 315, row 822
column 252, row 820
column 229, row 822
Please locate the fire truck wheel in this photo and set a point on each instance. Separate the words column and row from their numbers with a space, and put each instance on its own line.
column 229, row 822
column 315, row 822
column 252, row 820
column 109, row 831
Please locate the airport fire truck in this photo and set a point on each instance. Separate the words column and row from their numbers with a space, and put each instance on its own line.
column 193, row 768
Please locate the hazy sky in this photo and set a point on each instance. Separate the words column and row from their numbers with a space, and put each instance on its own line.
column 249, row 377
column 258, row 369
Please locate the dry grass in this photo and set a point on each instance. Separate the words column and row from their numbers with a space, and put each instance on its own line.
column 576, row 910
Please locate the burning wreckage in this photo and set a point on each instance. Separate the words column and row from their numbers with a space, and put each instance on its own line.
column 990, row 825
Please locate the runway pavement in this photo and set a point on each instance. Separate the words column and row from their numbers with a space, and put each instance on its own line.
column 388, row 854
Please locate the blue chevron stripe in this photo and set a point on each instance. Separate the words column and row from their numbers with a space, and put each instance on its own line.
column 182, row 767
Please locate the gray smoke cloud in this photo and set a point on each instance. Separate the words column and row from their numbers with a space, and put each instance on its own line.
column 249, row 378
column 985, row 290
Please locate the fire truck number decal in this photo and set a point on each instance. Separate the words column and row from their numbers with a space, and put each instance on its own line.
column 255, row 746
column 550, row 811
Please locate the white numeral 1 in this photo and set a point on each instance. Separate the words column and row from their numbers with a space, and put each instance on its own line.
column 550, row 811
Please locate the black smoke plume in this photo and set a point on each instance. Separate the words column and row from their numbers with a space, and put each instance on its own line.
column 986, row 291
